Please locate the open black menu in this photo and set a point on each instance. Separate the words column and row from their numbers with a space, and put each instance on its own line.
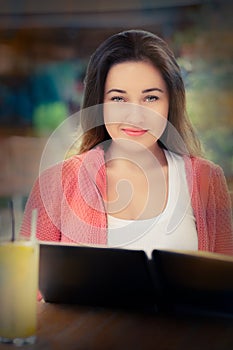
column 171, row 281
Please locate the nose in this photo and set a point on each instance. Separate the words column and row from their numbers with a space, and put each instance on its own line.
column 134, row 114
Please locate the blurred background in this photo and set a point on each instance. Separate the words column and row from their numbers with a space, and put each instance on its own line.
column 44, row 50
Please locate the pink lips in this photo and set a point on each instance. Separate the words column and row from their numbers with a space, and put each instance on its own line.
column 134, row 132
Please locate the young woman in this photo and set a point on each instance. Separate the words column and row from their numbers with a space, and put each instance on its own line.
column 139, row 181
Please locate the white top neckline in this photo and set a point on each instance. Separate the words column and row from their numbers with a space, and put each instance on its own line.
column 174, row 227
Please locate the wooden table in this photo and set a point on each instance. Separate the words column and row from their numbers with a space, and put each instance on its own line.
column 68, row 327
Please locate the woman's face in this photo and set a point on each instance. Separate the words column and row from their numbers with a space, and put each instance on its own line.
column 136, row 102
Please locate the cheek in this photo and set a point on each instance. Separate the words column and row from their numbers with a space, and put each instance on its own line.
column 163, row 109
column 107, row 113
column 158, row 121
column 109, row 119
column 158, row 126
column 112, row 130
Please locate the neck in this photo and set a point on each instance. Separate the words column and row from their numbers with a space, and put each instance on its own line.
column 125, row 153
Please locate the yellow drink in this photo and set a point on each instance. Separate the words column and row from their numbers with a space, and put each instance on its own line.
column 18, row 290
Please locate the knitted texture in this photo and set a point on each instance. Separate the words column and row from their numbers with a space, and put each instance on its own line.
column 212, row 206
column 70, row 200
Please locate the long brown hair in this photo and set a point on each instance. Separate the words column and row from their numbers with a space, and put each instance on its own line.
column 134, row 45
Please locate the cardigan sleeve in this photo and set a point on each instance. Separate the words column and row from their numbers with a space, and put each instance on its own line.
column 47, row 229
column 220, row 211
column 68, row 197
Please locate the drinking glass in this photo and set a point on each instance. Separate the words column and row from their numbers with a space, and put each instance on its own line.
column 19, row 260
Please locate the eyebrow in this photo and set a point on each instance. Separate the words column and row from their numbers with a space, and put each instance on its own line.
column 152, row 89
column 116, row 90
column 143, row 91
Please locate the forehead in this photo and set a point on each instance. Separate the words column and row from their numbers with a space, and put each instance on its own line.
column 134, row 74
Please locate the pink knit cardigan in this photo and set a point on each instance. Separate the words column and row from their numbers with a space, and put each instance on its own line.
column 70, row 200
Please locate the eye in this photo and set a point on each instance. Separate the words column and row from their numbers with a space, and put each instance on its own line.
column 117, row 99
column 151, row 98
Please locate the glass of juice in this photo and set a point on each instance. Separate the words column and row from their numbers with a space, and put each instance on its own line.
column 19, row 260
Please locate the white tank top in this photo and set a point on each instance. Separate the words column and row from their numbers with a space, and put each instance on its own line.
column 174, row 228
